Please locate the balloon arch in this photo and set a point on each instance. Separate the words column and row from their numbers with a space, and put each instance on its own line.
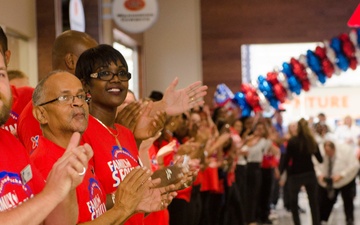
column 328, row 58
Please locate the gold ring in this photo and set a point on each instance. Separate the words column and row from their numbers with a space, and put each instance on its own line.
column 162, row 204
column 83, row 172
column 186, row 185
column 192, row 99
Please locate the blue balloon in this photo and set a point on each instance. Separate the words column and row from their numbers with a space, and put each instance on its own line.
column 313, row 61
column 266, row 88
column 294, row 83
column 358, row 36
column 336, row 44
column 274, row 103
column 341, row 61
column 315, row 65
column 321, row 77
column 239, row 99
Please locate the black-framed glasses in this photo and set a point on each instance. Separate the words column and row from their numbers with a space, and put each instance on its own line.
column 66, row 99
column 107, row 75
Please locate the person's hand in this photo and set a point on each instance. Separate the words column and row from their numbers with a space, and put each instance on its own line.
column 69, row 170
column 187, row 147
column 165, row 150
column 188, row 178
column 155, row 199
column 320, row 178
column 179, row 101
column 148, row 125
column 146, row 144
column 128, row 116
column 169, row 175
column 336, row 178
column 276, row 173
column 131, row 190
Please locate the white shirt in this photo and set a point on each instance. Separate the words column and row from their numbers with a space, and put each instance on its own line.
column 344, row 164
column 257, row 151
column 347, row 135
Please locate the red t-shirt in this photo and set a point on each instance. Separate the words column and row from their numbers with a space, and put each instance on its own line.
column 111, row 163
column 28, row 129
column 91, row 196
column 14, row 189
column 21, row 96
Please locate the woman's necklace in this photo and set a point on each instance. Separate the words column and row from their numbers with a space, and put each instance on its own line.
column 114, row 135
column 117, row 140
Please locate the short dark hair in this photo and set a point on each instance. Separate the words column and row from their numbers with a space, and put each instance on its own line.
column 156, row 95
column 330, row 144
column 12, row 74
column 3, row 41
column 321, row 114
column 94, row 57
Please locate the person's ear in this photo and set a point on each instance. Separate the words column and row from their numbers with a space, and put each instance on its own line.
column 70, row 61
column 7, row 57
column 40, row 114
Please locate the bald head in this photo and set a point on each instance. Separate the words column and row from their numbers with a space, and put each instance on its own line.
column 67, row 48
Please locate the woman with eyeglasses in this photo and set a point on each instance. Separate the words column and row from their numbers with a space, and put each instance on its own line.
column 104, row 74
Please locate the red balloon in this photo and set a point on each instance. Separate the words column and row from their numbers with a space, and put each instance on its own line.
column 320, row 52
column 251, row 97
column 300, row 73
column 353, row 63
column 280, row 92
column 278, row 89
column 347, row 46
column 328, row 67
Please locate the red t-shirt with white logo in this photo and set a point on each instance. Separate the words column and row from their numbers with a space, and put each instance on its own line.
column 91, row 196
column 111, row 163
column 15, row 187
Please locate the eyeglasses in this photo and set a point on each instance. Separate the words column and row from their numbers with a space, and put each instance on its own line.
column 107, row 75
column 66, row 99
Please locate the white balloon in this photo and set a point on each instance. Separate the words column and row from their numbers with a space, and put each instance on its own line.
column 357, row 55
column 283, row 80
column 353, row 37
column 303, row 60
column 312, row 77
column 264, row 103
column 330, row 53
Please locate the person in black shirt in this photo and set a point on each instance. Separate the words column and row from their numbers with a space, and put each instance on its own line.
column 300, row 170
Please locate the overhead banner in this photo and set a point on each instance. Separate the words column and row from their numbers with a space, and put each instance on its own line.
column 135, row 16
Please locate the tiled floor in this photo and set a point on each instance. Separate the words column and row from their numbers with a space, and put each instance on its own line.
column 337, row 216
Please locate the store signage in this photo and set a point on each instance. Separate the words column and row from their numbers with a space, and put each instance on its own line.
column 135, row 16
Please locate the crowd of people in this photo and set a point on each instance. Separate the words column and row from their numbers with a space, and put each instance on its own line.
column 79, row 148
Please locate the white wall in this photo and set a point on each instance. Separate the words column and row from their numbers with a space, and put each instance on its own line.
column 173, row 46
column 20, row 16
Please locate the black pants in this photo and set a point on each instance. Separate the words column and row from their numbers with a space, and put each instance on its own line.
column 240, row 178
column 211, row 208
column 326, row 204
column 267, row 176
column 253, row 183
column 178, row 212
column 195, row 206
column 308, row 180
